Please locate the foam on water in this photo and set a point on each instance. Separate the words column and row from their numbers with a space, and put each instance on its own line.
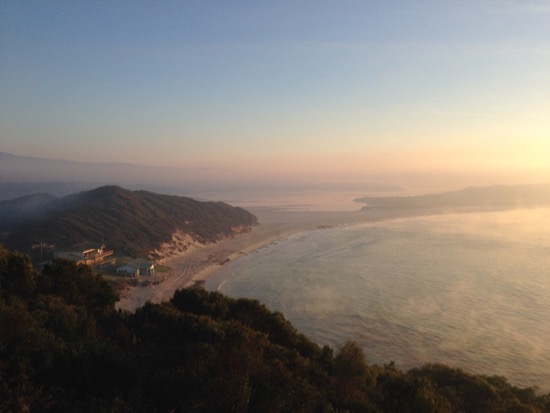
column 468, row 290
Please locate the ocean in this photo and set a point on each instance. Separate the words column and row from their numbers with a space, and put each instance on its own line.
column 468, row 290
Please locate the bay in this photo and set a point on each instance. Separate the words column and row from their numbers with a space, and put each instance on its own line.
column 468, row 290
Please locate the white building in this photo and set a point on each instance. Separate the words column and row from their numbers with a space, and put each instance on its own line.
column 137, row 267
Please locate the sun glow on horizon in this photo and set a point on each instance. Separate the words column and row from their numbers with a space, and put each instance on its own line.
column 353, row 90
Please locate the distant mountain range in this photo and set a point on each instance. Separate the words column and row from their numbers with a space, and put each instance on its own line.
column 24, row 175
column 498, row 196
column 131, row 222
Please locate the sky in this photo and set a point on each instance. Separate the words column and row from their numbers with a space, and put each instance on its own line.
column 355, row 89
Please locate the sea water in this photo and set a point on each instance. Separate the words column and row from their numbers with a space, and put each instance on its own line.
column 468, row 290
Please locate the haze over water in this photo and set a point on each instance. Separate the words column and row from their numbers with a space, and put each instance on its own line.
column 468, row 290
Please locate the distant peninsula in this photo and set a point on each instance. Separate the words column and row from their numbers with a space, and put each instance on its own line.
column 490, row 197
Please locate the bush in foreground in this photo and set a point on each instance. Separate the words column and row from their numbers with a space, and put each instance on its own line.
column 64, row 347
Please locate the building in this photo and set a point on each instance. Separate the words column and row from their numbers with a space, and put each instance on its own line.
column 137, row 267
column 84, row 253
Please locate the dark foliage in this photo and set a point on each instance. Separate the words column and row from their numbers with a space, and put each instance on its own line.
column 131, row 222
column 64, row 348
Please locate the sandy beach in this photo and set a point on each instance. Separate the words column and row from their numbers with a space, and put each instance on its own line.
column 198, row 262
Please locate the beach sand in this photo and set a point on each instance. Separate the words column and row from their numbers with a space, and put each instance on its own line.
column 199, row 262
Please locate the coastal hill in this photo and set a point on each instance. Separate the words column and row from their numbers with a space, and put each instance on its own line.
column 131, row 222
column 491, row 197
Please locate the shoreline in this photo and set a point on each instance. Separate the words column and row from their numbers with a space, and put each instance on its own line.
column 198, row 263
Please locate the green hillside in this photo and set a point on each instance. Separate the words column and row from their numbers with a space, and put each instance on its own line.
column 130, row 222
column 64, row 348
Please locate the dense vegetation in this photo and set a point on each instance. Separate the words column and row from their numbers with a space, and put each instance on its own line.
column 64, row 347
column 131, row 222
column 492, row 197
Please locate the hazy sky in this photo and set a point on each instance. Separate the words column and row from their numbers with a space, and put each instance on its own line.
column 352, row 87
